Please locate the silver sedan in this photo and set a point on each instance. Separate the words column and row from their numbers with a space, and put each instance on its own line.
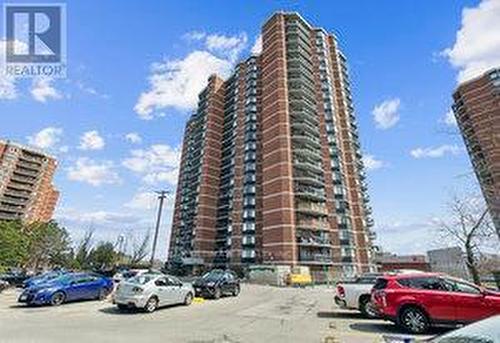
column 151, row 291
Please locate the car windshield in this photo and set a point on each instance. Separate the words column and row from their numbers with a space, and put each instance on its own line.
column 141, row 279
column 212, row 276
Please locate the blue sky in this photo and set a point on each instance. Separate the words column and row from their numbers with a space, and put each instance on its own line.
column 134, row 69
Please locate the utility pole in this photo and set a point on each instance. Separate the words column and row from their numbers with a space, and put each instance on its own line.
column 162, row 195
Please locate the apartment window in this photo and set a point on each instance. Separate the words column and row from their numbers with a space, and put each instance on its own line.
column 248, row 227
column 346, row 252
column 250, row 167
column 249, row 214
column 248, row 240
column 250, row 178
column 249, row 201
column 248, row 253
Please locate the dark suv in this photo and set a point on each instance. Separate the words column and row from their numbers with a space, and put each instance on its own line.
column 417, row 301
column 217, row 283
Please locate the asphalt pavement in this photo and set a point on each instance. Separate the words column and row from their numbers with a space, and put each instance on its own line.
column 260, row 314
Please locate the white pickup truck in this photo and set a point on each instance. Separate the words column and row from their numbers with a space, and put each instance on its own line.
column 356, row 294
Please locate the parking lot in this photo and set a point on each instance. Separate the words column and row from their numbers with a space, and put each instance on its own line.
column 259, row 314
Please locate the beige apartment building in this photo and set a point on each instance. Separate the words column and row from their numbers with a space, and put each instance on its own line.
column 26, row 189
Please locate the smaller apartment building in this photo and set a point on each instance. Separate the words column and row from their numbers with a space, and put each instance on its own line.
column 26, row 189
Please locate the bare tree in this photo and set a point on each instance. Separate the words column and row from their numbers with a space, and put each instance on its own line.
column 141, row 250
column 82, row 256
column 470, row 227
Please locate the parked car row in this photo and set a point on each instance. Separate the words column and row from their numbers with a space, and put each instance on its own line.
column 416, row 301
column 137, row 289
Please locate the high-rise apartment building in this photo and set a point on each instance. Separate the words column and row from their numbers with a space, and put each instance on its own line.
column 26, row 189
column 271, row 169
column 477, row 110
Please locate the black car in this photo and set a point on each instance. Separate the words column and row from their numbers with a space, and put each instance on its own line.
column 14, row 278
column 217, row 283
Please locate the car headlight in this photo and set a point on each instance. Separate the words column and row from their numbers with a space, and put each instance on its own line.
column 211, row 284
column 45, row 290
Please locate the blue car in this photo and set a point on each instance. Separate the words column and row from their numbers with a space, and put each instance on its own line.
column 43, row 278
column 66, row 288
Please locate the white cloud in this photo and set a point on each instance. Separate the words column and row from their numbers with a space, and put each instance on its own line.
column 449, row 119
column 176, row 83
column 95, row 217
column 90, row 90
column 162, row 176
column 371, row 163
column 42, row 90
column 46, row 138
column 477, row 45
column 158, row 163
column 229, row 46
column 407, row 238
column 194, row 35
column 436, row 152
column 8, row 90
column 91, row 140
column 133, row 137
column 142, row 201
column 257, row 46
column 386, row 113
column 92, row 172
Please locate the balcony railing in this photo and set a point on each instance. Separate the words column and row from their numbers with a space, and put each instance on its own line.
column 316, row 258
column 311, row 208
column 22, row 178
column 14, row 201
column 30, row 165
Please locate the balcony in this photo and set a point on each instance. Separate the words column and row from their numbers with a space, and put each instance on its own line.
column 313, row 239
column 308, row 177
column 17, row 194
column 34, row 159
column 20, row 186
column 308, row 153
column 312, row 224
column 309, row 192
column 308, row 165
column 13, row 201
column 11, row 208
column 29, row 165
column 26, row 172
column 315, row 258
column 9, row 216
column 21, row 178
column 311, row 208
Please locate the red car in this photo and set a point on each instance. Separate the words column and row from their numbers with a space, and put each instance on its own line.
column 418, row 301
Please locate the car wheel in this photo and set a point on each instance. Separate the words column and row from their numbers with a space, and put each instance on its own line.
column 217, row 293
column 122, row 307
column 413, row 320
column 236, row 291
column 366, row 308
column 189, row 299
column 57, row 298
column 151, row 305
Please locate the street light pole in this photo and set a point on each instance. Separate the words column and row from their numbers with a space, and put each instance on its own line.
column 161, row 196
